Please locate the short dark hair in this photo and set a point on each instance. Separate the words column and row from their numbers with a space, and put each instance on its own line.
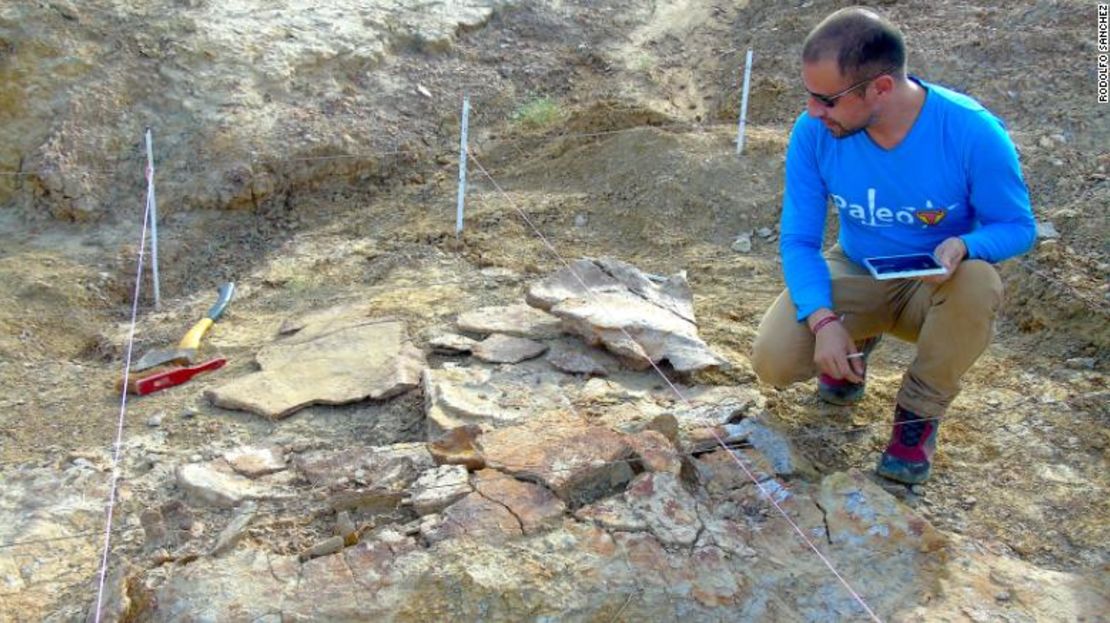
column 862, row 42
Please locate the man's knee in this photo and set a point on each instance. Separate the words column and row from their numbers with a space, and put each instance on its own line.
column 774, row 365
column 977, row 284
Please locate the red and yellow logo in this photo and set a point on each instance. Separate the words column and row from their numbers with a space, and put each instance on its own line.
column 931, row 217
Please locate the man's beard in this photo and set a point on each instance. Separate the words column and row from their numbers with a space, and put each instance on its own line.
column 839, row 131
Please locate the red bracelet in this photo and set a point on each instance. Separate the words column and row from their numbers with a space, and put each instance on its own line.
column 820, row 324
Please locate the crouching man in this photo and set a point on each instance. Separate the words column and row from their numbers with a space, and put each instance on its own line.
column 910, row 167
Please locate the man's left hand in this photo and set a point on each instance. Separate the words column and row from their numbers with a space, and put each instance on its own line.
column 949, row 253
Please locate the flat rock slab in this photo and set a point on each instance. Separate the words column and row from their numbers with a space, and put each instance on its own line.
column 535, row 507
column 712, row 405
column 632, row 315
column 438, row 488
column 747, row 568
column 473, row 517
column 638, row 331
column 578, row 462
column 517, row 320
column 333, row 360
column 654, row 502
column 499, row 348
column 456, row 396
column 859, row 514
column 613, row 276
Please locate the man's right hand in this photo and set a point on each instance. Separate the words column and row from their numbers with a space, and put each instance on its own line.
column 832, row 347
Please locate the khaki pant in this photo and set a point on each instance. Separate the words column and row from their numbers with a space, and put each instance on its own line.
column 951, row 323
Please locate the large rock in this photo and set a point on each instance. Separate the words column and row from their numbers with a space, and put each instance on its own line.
column 473, row 517
column 516, row 320
column 654, row 502
column 535, row 507
column 636, row 318
column 578, row 462
column 746, row 565
column 860, row 515
column 456, row 396
column 335, row 359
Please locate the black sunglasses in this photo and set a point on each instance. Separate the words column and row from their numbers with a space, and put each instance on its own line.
column 828, row 101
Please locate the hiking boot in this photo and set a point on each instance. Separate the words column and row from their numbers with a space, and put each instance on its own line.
column 843, row 392
column 909, row 457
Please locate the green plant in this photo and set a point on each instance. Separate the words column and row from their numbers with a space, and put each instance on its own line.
column 538, row 112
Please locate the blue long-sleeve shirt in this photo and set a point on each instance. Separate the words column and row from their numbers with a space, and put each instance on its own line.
column 955, row 173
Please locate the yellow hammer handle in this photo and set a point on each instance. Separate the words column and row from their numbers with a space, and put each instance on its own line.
column 192, row 338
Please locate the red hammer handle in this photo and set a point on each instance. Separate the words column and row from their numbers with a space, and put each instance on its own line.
column 175, row 376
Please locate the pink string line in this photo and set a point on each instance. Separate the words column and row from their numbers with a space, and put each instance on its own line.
column 735, row 457
column 122, row 412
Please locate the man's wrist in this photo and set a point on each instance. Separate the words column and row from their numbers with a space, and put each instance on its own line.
column 821, row 319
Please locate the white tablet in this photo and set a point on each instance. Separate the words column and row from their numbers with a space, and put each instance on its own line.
column 903, row 266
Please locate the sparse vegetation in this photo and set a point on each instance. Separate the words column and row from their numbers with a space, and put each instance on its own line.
column 538, row 113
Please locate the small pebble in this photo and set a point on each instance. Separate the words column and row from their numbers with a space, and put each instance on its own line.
column 1081, row 363
column 742, row 244
column 196, row 458
column 1046, row 229
column 345, row 527
column 155, row 420
column 1002, row 596
column 917, row 489
column 581, row 220
column 323, row 548
column 189, row 413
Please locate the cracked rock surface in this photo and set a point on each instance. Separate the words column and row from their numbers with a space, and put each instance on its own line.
column 610, row 302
